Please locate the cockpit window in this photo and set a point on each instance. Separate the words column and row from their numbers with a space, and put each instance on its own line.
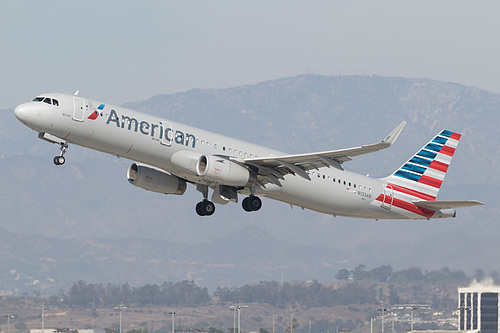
column 46, row 100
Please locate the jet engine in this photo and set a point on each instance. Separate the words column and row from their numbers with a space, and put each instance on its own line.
column 155, row 180
column 224, row 171
column 213, row 169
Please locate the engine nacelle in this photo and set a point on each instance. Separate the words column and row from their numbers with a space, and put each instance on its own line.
column 185, row 161
column 224, row 171
column 155, row 180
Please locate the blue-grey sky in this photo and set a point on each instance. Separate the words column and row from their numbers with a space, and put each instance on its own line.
column 122, row 51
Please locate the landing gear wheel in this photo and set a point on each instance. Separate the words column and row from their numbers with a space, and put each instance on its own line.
column 209, row 208
column 245, row 205
column 252, row 203
column 59, row 160
column 199, row 210
column 205, row 208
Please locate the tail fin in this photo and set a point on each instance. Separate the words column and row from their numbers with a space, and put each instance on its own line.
column 422, row 175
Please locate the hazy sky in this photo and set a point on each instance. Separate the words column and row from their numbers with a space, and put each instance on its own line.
column 122, row 51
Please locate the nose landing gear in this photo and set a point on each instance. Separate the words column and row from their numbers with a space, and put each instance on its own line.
column 59, row 160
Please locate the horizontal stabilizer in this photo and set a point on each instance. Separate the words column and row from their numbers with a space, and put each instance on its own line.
column 434, row 205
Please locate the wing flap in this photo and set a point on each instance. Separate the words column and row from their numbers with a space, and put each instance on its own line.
column 434, row 205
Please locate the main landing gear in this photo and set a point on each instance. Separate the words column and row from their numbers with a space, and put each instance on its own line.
column 59, row 160
column 205, row 207
column 251, row 203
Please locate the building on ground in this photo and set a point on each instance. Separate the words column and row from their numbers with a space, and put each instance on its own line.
column 478, row 307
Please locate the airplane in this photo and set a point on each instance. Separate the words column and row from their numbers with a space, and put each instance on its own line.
column 168, row 155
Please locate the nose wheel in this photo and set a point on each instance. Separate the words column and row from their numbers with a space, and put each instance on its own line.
column 59, row 160
column 251, row 203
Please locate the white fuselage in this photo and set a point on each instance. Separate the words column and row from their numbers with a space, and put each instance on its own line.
column 152, row 140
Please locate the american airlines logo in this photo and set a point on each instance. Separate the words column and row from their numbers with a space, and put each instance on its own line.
column 157, row 131
column 96, row 112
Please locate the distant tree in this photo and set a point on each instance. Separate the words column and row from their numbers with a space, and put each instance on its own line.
column 293, row 327
column 342, row 274
column 381, row 274
column 412, row 274
column 215, row 330
column 263, row 330
column 359, row 272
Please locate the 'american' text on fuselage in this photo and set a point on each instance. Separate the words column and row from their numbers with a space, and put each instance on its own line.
column 167, row 134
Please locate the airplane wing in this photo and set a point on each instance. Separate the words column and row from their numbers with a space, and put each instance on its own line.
column 447, row 204
column 273, row 168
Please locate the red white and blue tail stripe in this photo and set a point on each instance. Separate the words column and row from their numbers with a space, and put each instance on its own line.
column 422, row 175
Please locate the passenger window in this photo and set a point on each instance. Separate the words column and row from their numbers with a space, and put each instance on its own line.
column 215, row 146
column 334, row 180
column 47, row 100
column 344, row 182
column 349, row 183
column 224, row 148
column 354, row 185
column 319, row 176
column 324, row 177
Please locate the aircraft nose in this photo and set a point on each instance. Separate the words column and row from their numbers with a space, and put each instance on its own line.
column 22, row 112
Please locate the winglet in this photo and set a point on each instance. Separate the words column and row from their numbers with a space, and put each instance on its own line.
column 391, row 138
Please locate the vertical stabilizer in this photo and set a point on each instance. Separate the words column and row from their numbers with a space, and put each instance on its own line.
column 422, row 175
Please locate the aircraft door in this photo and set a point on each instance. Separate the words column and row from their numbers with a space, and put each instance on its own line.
column 388, row 197
column 79, row 110
column 167, row 135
